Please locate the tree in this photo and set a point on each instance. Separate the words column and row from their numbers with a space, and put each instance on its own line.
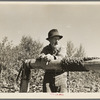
column 80, row 52
column 73, row 51
column 70, row 49
column 6, row 60
column 28, row 48
column 5, row 51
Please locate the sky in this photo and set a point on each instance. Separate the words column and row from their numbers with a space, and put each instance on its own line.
column 77, row 22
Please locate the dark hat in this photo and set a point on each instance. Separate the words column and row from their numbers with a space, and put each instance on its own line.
column 53, row 33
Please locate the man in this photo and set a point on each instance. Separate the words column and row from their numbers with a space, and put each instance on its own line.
column 54, row 80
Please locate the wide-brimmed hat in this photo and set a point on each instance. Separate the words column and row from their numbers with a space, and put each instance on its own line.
column 53, row 33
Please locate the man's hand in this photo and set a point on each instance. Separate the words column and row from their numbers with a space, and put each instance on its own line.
column 41, row 56
column 47, row 57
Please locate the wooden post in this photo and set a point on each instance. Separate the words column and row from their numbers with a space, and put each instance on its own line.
column 25, row 77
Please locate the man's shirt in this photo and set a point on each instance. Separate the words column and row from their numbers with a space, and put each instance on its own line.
column 59, row 52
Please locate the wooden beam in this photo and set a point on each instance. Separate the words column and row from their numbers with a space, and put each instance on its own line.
column 56, row 65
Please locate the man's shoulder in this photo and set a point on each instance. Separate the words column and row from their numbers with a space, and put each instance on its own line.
column 46, row 47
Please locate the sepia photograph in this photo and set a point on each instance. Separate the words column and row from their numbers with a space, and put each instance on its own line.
column 49, row 49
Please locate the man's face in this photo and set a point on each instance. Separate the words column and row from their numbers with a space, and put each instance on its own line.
column 54, row 41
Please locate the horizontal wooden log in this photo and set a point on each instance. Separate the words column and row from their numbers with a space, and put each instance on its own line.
column 56, row 65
